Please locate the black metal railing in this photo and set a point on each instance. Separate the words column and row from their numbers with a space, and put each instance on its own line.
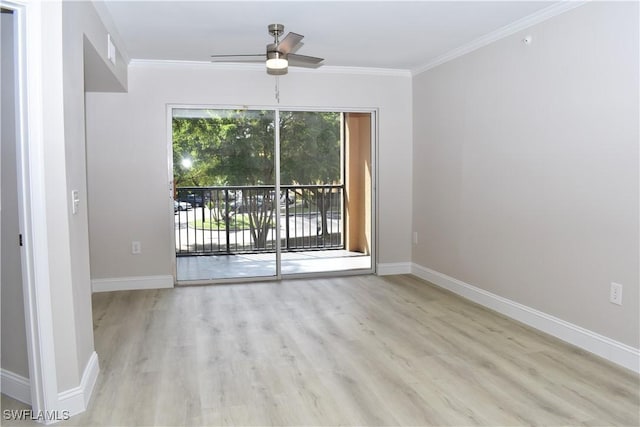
column 242, row 219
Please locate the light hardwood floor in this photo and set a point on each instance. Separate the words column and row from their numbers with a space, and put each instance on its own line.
column 361, row 350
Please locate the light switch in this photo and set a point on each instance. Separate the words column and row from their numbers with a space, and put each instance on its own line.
column 111, row 50
column 75, row 201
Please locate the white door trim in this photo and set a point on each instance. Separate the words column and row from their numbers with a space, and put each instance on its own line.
column 31, row 198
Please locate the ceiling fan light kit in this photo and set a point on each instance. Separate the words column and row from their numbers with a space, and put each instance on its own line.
column 276, row 61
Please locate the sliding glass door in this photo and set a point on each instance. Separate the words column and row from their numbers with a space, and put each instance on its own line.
column 253, row 199
column 225, row 202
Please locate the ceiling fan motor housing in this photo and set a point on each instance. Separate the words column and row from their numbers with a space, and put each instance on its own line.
column 273, row 48
column 274, row 54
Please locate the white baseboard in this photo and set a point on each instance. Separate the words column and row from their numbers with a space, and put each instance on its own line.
column 76, row 400
column 15, row 386
column 132, row 283
column 386, row 269
column 607, row 348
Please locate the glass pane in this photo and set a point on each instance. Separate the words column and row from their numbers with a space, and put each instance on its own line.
column 310, row 147
column 224, row 175
column 313, row 195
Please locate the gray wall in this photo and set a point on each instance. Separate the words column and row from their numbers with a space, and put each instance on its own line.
column 14, row 357
column 84, row 35
column 62, row 247
column 526, row 168
column 128, row 153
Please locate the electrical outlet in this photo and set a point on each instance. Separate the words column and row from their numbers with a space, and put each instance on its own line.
column 136, row 248
column 415, row 237
column 615, row 293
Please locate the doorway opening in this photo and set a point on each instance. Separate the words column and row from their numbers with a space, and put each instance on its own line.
column 271, row 193
column 14, row 357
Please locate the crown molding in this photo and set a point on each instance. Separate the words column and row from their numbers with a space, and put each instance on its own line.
column 508, row 30
column 393, row 72
column 236, row 66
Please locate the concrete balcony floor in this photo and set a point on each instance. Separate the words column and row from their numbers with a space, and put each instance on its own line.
column 241, row 266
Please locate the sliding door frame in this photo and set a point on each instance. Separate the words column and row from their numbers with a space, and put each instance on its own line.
column 373, row 112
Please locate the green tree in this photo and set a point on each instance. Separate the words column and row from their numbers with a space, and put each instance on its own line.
column 245, row 158
column 230, row 148
column 236, row 148
column 310, row 155
column 193, row 140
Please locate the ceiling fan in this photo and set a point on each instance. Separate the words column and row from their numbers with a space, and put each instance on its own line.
column 279, row 53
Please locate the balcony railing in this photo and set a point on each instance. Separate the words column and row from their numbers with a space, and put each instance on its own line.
column 242, row 219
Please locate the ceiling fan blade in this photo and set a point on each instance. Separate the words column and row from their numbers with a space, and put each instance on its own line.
column 288, row 43
column 304, row 60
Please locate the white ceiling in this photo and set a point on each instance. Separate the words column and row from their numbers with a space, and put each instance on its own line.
column 374, row 34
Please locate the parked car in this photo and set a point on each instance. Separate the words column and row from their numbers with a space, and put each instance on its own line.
column 193, row 199
column 181, row 206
